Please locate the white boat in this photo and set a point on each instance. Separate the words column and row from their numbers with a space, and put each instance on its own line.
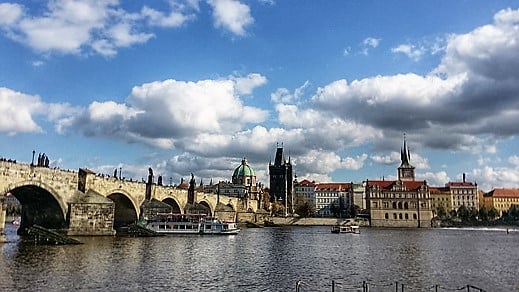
column 173, row 223
column 346, row 229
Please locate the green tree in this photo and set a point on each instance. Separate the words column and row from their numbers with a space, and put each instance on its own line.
column 512, row 214
column 305, row 209
column 441, row 212
column 483, row 214
column 493, row 213
column 277, row 208
column 463, row 213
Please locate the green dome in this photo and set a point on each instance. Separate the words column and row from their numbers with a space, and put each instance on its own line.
column 243, row 170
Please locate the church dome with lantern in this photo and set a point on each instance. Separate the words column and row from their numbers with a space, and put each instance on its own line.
column 244, row 174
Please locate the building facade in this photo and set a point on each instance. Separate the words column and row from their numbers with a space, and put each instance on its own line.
column 281, row 181
column 501, row 199
column 333, row 199
column 441, row 199
column 464, row 193
column 304, row 192
column 401, row 203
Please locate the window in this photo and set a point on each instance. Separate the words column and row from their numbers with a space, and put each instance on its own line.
column 414, row 216
column 406, row 216
column 394, row 215
column 400, row 216
column 387, row 216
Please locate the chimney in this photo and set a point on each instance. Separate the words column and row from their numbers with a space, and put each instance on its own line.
column 463, row 177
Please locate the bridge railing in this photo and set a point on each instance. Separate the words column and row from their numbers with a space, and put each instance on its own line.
column 366, row 286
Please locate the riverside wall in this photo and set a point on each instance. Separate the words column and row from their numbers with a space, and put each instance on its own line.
column 298, row 221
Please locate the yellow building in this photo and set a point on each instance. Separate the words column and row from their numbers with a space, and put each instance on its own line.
column 441, row 198
column 501, row 199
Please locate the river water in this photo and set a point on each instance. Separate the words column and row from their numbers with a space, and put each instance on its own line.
column 270, row 259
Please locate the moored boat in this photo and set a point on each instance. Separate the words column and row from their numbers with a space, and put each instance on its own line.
column 355, row 229
column 173, row 223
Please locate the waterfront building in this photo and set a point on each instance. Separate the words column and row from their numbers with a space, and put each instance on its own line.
column 304, row 192
column 441, row 199
column 333, row 199
column 281, row 181
column 401, row 203
column 463, row 193
column 501, row 199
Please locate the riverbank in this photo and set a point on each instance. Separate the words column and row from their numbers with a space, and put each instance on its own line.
column 299, row 221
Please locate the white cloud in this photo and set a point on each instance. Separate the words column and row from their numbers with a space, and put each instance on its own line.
column 180, row 14
column 10, row 13
column 231, row 15
column 283, row 95
column 393, row 158
column 163, row 113
column 367, row 44
column 18, row 112
column 245, row 85
column 371, row 42
column 436, row 179
column 86, row 26
column 411, row 51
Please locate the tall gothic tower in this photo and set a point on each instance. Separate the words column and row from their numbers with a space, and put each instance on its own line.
column 405, row 170
column 281, row 180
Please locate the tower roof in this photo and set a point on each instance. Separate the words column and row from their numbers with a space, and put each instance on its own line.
column 405, row 155
column 243, row 170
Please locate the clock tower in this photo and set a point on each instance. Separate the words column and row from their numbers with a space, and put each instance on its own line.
column 405, row 170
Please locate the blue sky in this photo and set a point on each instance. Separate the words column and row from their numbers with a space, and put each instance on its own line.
column 194, row 86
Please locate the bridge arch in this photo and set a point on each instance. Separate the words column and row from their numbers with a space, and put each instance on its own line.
column 205, row 204
column 126, row 211
column 175, row 206
column 41, row 205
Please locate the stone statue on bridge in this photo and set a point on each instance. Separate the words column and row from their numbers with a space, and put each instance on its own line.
column 191, row 191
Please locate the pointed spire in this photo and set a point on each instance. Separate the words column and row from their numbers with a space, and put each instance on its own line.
column 404, row 153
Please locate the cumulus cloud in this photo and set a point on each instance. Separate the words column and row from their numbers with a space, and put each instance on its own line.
column 10, row 13
column 18, row 112
column 245, row 85
column 470, row 97
column 86, row 26
column 231, row 15
column 283, row 95
column 162, row 113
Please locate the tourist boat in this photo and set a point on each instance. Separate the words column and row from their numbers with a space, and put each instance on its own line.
column 346, row 229
column 172, row 223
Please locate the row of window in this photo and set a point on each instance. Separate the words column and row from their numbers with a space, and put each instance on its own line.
column 397, row 196
column 401, row 216
column 470, row 192
column 506, row 199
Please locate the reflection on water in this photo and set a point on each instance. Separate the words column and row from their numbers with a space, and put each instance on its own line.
column 269, row 259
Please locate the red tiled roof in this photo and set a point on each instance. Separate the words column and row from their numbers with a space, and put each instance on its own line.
column 413, row 185
column 460, row 184
column 503, row 193
column 387, row 184
column 333, row 186
column 306, row 183
column 383, row 184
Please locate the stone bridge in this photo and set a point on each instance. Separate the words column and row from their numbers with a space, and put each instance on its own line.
column 85, row 203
